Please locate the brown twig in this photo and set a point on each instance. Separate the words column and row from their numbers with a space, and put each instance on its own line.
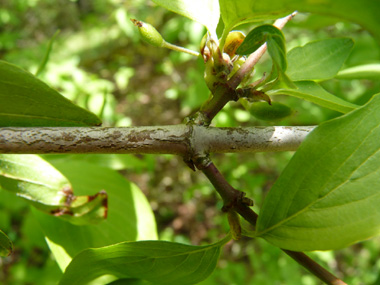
column 226, row 92
column 234, row 199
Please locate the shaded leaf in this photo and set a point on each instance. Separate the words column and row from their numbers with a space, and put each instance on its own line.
column 328, row 195
column 274, row 112
column 32, row 178
column 318, row 60
column 365, row 13
column 259, row 36
column 313, row 92
column 205, row 12
column 366, row 71
column 130, row 216
column 6, row 246
column 159, row 262
column 25, row 101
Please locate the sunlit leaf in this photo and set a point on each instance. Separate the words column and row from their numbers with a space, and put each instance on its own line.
column 130, row 216
column 328, row 196
column 366, row 71
column 26, row 101
column 6, row 246
column 318, row 60
column 205, row 12
column 313, row 92
column 365, row 13
column 159, row 262
column 32, row 178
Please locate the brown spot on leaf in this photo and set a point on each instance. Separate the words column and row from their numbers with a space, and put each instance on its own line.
column 60, row 212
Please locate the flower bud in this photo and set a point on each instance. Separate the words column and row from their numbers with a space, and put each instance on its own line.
column 233, row 41
column 149, row 33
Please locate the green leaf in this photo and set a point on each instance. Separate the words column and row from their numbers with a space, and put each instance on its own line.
column 32, row 178
column 47, row 54
column 25, row 101
column 259, row 36
column 318, row 60
column 313, row 92
column 328, row 196
column 366, row 71
column 6, row 246
column 239, row 12
column 159, row 262
column 365, row 13
column 205, row 12
column 274, row 112
column 130, row 216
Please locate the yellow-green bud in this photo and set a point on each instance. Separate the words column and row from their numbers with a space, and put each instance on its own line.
column 149, row 33
column 233, row 41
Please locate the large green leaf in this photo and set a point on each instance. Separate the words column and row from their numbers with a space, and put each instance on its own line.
column 318, row 60
column 25, row 101
column 159, row 262
column 365, row 13
column 313, row 92
column 6, row 246
column 205, row 12
column 329, row 194
column 130, row 216
column 32, row 178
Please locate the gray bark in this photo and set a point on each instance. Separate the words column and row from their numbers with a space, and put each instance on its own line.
column 175, row 139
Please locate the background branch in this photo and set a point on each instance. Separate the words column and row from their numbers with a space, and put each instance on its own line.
column 175, row 139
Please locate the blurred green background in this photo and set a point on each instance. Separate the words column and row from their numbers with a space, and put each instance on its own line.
column 99, row 61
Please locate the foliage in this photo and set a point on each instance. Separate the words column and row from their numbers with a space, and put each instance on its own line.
column 324, row 199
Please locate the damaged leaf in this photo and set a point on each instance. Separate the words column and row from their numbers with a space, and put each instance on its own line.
column 32, row 178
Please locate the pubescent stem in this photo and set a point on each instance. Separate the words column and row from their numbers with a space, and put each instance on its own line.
column 180, row 49
column 234, row 200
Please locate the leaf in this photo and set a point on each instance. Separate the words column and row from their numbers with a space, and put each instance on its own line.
column 366, row 71
column 328, row 195
column 25, row 101
column 365, row 13
column 130, row 216
column 318, row 60
column 6, row 246
column 159, row 262
column 313, row 92
column 274, row 112
column 265, row 33
column 205, row 12
column 35, row 180
column 239, row 12
column 47, row 54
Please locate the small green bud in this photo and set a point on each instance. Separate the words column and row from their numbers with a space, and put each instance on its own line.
column 149, row 33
